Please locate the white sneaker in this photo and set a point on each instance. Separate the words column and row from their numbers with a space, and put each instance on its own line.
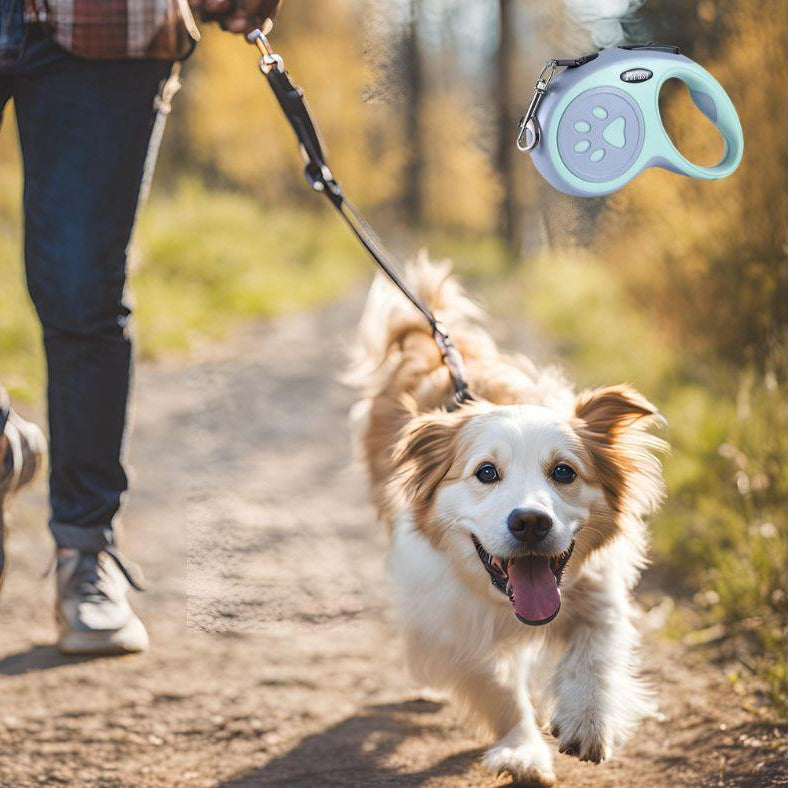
column 92, row 612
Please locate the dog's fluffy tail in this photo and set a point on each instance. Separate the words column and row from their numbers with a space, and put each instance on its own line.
column 397, row 366
column 395, row 339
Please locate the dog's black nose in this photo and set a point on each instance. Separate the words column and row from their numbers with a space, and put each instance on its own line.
column 529, row 525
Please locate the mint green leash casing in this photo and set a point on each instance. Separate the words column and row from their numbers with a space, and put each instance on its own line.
column 594, row 127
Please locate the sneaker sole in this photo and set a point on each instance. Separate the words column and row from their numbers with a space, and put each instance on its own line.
column 130, row 639
column 32, row 449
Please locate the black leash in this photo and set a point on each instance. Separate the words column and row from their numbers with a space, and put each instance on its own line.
column 291, row 100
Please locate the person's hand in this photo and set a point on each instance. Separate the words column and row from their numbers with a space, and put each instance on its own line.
column 238, row 16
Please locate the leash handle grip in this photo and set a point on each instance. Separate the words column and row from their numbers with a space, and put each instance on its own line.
column 713, row 102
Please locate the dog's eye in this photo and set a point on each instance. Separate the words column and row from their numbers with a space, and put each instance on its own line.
column 487, row 473
column 563, row 474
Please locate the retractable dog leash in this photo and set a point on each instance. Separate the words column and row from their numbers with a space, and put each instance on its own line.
column 291, row 100
column 594, row 126
column 590, row 129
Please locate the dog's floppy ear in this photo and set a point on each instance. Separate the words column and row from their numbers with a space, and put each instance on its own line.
column 612, row 422
column 424, row 455
column 608, row 411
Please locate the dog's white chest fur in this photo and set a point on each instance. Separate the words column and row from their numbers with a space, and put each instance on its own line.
column 506, row 490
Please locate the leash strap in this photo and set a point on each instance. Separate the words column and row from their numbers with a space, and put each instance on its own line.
column 291, row 99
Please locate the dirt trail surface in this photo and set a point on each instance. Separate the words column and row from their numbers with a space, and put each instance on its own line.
column 246, row 497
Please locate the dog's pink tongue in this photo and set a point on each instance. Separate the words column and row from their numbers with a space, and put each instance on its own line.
column 536, row 597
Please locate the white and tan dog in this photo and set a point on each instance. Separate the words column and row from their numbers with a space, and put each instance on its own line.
column 517, row 528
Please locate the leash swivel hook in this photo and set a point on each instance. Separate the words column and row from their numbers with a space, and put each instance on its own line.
column 528, row 131
column 269, row 59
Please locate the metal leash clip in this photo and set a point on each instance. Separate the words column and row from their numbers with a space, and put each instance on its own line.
column 269, row 59
column 453, row 361
column 529, row 132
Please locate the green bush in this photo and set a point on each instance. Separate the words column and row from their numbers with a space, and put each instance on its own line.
column 721, row 535
column 208, row 259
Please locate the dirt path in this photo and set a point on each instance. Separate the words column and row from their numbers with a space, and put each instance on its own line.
column 289, row 674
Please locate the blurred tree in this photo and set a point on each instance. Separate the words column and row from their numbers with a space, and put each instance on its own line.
column 413, row 87
column 697, row 28
column 708, row 260
column 237, row 136
column 509, row 223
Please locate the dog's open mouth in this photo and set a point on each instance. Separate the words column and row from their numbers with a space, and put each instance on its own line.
column 532, row 582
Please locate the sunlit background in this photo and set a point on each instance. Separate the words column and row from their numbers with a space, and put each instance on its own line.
column 674, row 285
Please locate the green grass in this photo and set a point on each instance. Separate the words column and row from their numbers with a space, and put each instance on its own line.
column 202, row 261
column 21, row 364
column 21, row 361
column 721, row 536
column 210, row 259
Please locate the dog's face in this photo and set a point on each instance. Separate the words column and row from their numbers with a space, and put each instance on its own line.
column 515, row 492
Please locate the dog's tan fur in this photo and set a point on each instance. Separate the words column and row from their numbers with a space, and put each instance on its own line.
column 409, row 439
column 414, row 448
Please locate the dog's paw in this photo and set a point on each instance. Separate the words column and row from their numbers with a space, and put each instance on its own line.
column 530, row 763
column 583, row 740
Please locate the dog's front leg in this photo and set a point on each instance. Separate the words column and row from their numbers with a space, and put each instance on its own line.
column 501, row 700
column 599, row 698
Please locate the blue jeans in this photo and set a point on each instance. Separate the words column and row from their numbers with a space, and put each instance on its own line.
column 84, row 128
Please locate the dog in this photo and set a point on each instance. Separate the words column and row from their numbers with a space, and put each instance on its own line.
column 517, row 527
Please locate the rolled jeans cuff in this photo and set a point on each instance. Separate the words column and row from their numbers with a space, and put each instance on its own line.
column 88, row 540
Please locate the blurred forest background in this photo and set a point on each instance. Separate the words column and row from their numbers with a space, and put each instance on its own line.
column 676, row 286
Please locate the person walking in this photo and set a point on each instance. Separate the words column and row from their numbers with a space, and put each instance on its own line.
column 84, row 76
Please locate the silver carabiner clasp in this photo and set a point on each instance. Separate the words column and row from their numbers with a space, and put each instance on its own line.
column 528, row 131
column 269, row 59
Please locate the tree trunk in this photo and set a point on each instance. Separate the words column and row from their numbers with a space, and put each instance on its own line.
column 413, row 79
column 509, row 222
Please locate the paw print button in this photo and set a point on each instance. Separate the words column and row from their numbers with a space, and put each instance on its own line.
column 600, row 135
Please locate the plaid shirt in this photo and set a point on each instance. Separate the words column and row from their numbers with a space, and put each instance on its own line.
column 117, row 28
